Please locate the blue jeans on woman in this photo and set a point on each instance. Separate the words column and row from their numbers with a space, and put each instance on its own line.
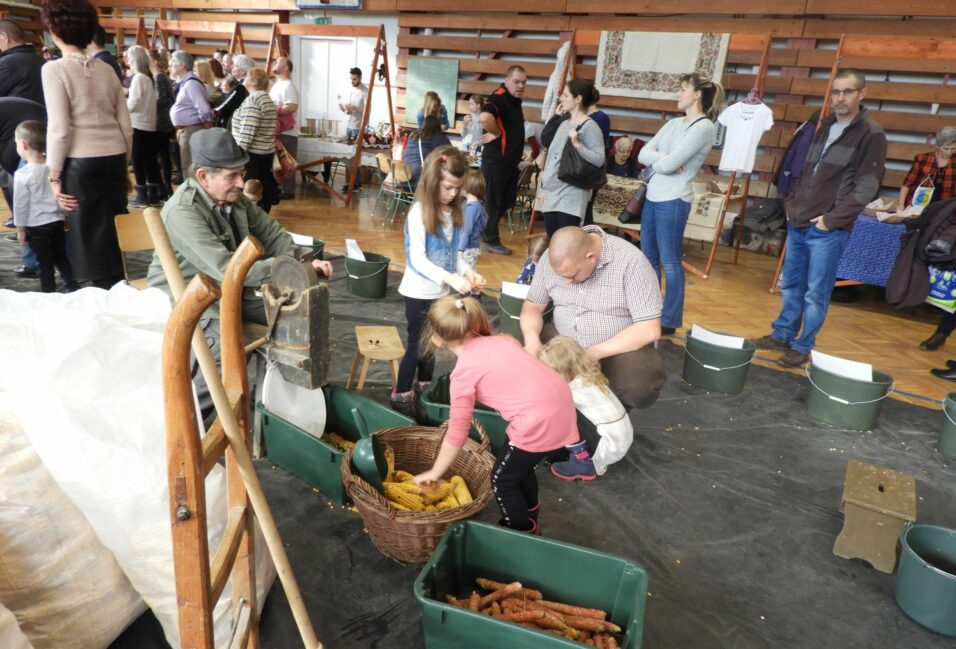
column 662, row 238
column 809, row 271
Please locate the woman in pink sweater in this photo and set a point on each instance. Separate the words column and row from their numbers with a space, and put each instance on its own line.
column 89, row 139
column 533, row 398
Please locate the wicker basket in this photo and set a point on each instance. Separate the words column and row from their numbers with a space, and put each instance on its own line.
column 411, row 537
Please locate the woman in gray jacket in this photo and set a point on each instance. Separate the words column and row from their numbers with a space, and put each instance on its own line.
column 565, row 204
column 675, row 155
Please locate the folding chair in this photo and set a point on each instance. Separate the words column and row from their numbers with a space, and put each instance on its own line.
column 387, row 186
column 404, row 193
column 133, row 236
column 523, row 197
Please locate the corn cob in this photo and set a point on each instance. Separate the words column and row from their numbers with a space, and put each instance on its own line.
column 398, row 475
column 462, row 495
column 437, row 493
column 390, row 458
column 407, row 487
column 338, row 441
column 404, row 497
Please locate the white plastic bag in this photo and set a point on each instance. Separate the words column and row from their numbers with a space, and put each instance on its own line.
column 297, row 405
column 10, row 635
column 85, row 371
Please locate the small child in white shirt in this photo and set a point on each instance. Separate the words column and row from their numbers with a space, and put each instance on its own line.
column 40, row 221
column 473, row 190
column 593, row 399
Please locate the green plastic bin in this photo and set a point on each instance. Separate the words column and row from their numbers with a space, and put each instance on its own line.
column 509, row 316
column 947, row 435
column 561, row 571
column 435, row 402
column 926, row 583
column 844, row 402
column 367, row 278
column 716, row 368
column 307, row 456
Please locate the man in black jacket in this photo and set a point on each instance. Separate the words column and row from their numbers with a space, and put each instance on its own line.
column 19, row 65
column 841, row 175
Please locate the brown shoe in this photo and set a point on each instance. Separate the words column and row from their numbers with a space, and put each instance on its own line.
column 793, row 358
column 933, row 343
column 769, row 342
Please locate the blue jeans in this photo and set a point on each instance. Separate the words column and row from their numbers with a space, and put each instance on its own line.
column 662, row 237
column 809, row 271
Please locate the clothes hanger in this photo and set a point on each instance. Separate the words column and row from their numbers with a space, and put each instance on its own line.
column 752, row 97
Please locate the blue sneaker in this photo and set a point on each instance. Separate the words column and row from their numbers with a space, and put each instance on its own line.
column 578, row 466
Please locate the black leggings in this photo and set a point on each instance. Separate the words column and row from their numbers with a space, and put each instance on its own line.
column 554, row 221
column 416, row 312
column 259, row 168
column 145, row 162
column 48, row 242
column 515, row 485
column 165, row 160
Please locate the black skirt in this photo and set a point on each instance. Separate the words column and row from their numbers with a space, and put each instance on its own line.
column 99, row 184
column 259, row 167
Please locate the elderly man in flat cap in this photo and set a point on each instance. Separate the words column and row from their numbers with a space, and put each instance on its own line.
column 207, row 218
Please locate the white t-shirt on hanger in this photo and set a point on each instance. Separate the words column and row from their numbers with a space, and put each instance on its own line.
column 745, row 123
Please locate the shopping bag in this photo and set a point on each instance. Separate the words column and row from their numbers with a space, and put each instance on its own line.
column 578, row 172
column 923, row 194
column 942, row 289
column 283, row 164
column 632, row 211
column 285, row 123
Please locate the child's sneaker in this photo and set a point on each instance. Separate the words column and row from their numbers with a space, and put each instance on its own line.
column 402, row 397
column 579, row 465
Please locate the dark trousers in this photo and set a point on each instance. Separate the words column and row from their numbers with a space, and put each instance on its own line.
column 501, row 186
column 636, row 377
column 554, row 221
column 145, row 161
column 515, row 485
column 946, row 324
column 165, row 159
column 260, row 168
column 48, row 242
column 252, row 311
column 413, row 362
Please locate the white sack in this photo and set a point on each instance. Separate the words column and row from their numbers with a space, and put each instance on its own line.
column 85, row 371
column 10, row 635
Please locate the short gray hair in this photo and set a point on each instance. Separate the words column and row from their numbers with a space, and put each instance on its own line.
column 184, row 58
column 138, row 59
column 243, row 62
column 946, row 135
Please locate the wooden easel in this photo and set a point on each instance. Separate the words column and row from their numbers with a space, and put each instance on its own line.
column 163, row 29
column 119, row 27
column 823, row 114
column 381, row 54
column 757, row 92
column 199, row 584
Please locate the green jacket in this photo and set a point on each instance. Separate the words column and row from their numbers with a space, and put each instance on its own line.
column 203, row 241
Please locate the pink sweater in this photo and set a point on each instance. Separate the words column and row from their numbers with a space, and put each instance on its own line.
column 533, row 398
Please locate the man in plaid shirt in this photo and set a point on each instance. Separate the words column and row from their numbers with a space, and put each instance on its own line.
column 608, row 298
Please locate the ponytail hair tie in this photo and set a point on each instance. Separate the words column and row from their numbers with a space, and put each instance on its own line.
column 459, row 303
column 444, row 158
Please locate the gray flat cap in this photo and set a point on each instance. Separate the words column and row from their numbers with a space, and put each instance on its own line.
column 215, row 147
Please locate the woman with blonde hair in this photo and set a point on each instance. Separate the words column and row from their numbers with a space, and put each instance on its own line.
column 432, row 106
column 141, row 103
column 600, row 413
column 675, row 155
column 254, row 129
column 203, row 70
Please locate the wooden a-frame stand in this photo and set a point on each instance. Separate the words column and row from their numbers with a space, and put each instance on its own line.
column 378, row 33
column 163, row 29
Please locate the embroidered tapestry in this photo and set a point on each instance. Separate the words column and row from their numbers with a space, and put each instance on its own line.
column 648, row 65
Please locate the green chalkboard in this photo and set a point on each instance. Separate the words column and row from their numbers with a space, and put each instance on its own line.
column 424, row 74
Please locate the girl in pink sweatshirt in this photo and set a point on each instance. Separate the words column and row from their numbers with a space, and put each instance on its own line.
column 534, row 399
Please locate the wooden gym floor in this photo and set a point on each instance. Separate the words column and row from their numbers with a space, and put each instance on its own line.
column 734, row 299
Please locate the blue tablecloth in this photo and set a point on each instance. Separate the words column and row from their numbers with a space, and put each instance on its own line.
column 871, row 251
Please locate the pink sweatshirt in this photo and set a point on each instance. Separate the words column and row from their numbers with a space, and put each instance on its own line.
column 533, row 398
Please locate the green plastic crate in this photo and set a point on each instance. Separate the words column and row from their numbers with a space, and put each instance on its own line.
column 435, row 402
column 561, row 571
column 308, row 457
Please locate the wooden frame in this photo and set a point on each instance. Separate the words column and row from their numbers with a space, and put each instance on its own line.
column 280, row 30
column 163, row 29
column 119, row 27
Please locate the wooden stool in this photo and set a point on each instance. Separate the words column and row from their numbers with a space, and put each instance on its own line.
column 376, row 344
column 877, row 504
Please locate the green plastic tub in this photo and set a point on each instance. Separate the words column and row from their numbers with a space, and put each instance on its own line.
column 307, row 456
column 435, row 402
column 367, row 278
column 509, row 316
column 717, row 368
column 926, row 583
column 947, row 435
column 561, row 571
column 847, row 403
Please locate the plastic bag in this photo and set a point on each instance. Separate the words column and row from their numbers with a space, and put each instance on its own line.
column 11, row 637
column 85, row 372
column 67, row 590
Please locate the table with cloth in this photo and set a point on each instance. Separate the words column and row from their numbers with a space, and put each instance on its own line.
column 870, row 252
column 315, row 151
column 611, row 199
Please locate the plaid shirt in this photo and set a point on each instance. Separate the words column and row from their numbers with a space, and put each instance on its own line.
column 622, row 290
column 944, row 178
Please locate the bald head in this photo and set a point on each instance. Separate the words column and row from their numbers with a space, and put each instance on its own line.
column 11, row 34
column 574, row 253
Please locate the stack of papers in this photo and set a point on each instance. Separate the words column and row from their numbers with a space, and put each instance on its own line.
column 519, row 291
column 841, row 366
column 352, row 250
column 703, row 335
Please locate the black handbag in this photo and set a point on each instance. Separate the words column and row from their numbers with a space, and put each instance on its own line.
column 632, row 211
column 578, row 172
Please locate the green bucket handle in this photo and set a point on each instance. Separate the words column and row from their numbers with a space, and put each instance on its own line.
column 518, row 317
column 946, row 413
column 385, row 267
column 718, row 369
column 844, row 401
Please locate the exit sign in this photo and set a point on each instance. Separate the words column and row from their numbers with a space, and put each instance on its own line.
column 323, row 20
